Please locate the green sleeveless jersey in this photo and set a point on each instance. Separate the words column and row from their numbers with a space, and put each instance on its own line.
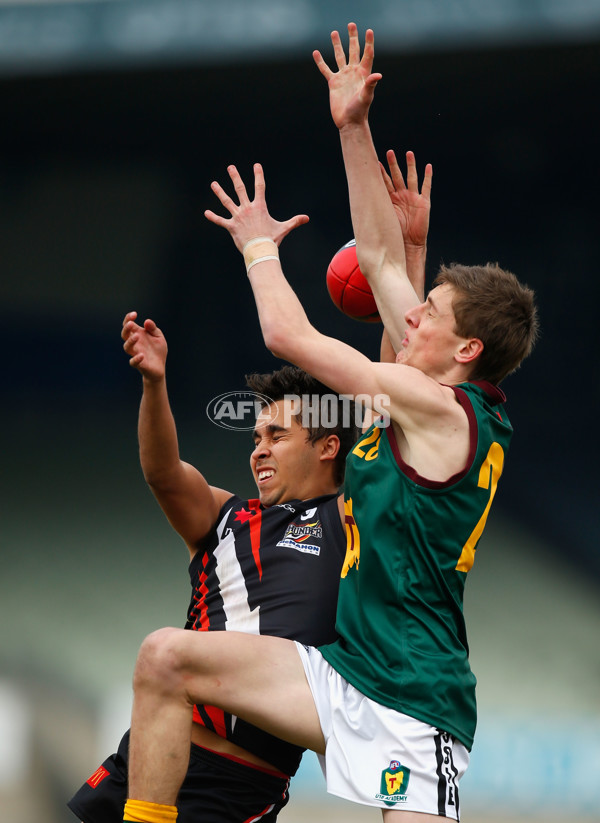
column 410, row 543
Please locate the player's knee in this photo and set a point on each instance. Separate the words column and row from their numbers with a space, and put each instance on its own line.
column 160, row 662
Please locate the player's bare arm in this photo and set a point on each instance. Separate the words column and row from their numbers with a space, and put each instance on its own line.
column 417, row 402
column 379, row 241
column 189, row 503
column 286, row 329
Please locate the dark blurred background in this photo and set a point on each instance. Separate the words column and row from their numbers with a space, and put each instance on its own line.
column 117, row 115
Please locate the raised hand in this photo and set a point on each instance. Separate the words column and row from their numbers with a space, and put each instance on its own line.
column 250, row 218
column 411, row 206
column 352, row 86
column 146, row 346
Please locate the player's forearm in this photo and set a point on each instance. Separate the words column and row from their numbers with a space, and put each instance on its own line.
column 289, row 335
column 387, row 352
column 393, row 332
column 282, row 318
column 379, row 240
column 157, row 435
column 415, row 268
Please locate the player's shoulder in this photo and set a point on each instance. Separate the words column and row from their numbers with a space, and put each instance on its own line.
column 412, row 395
column 221, row 496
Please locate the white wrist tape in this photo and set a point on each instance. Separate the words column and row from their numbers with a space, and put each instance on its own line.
column 261, row 260
column 259, row 249
column 257, row 240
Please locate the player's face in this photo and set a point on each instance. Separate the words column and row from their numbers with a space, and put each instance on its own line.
column 284, row 464
column 430, row 340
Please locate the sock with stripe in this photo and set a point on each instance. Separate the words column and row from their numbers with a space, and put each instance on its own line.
column 139, row 811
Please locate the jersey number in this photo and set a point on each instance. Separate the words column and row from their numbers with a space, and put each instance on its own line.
column 352, row 539
column 369, row 454
column 489, row 474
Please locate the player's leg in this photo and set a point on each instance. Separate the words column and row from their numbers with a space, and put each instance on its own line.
column 258, row 678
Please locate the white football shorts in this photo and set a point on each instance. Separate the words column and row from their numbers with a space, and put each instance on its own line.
column 380, row 757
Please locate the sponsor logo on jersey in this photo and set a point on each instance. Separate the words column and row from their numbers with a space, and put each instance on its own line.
column 288, row 507
column 308, row 514
column 394, row 782
column 297, row 536
column 97, row 777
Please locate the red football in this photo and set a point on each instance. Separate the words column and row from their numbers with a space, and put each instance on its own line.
column 348, row 287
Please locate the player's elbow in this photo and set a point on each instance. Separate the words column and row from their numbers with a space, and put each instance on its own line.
column 161, row 479
column 377, row 264
column 278, row 345
column 370, row 262
column 282, row 340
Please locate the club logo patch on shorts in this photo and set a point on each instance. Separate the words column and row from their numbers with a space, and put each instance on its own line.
column 394, row 782
column 97, row 777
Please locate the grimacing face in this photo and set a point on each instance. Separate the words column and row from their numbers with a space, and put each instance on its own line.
column 285, row 465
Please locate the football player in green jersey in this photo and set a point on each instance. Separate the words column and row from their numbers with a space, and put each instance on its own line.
column 390, row 706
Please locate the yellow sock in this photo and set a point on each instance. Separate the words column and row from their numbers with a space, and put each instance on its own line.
column 139, row 811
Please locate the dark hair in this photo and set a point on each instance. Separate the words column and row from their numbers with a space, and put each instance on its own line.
column 491, row 304
column 291, row 380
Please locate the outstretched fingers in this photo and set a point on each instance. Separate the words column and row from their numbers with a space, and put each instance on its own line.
column 294, row 222
column 259, row 182
column 338, row 50
column 395, row 171
column 412, row 178
column 427, row 180
column 353, row 45
column 239, row 185
column 354, row 56
column 369, row 52
column 241, row 191
column 225, row 200
column 322, row 65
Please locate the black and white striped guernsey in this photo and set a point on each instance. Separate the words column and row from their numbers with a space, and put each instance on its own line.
column 271, row 571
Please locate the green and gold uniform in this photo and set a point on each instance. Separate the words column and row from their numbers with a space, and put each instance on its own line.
column 411, row 542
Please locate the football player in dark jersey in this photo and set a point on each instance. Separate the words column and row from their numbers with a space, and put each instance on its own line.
column 265, row 565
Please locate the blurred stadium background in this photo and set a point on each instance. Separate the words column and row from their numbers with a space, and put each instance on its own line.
column 116, row 115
